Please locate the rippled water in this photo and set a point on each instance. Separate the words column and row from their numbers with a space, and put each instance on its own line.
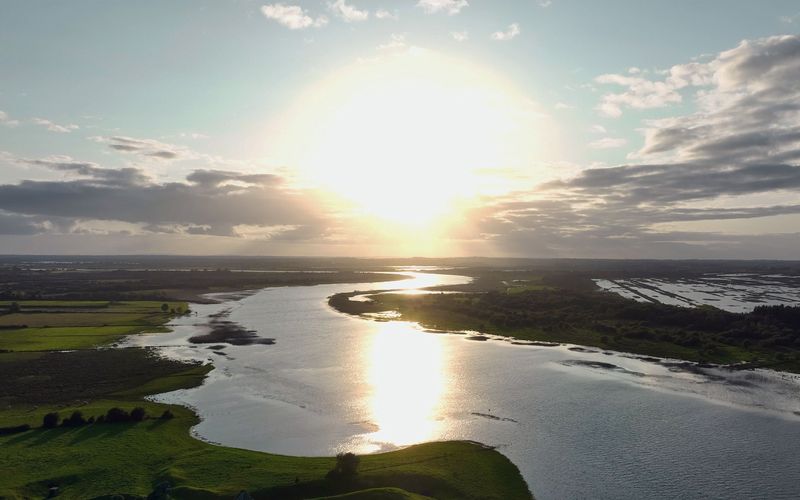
column 578, row 424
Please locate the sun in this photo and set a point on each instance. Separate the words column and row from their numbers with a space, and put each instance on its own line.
column 404, row 137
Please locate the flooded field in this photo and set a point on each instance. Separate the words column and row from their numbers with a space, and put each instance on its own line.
column 731, row 292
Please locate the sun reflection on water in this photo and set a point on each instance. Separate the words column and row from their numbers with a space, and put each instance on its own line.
column 407, row 379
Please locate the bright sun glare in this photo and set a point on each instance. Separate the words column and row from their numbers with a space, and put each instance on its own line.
column 405, row 137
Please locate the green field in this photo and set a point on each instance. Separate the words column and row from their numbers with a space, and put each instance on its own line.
column 99, row 460
column 55, row 325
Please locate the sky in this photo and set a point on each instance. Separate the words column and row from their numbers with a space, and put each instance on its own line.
column 528, row 128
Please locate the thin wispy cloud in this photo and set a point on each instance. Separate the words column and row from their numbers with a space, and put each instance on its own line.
column 459, row 36
column 608, row 143
column 55, row 127
column 148, row 148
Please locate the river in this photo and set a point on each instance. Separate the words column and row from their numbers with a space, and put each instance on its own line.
column 578, row 424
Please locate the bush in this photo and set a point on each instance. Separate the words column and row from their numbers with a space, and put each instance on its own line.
column 138, row 414
column 115, row 415
column 346, row 466
column 167, row 415
column 50, row 420
column 14, row 429
column 74, row 420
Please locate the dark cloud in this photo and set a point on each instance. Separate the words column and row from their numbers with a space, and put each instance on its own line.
column 18, row 224
column 124, row 176
column 205, row 204
column 215, row 178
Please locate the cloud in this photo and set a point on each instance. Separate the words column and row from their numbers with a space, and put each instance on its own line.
column 55, row 127
column 15, row 224
column 735, row 158
column 644, row 93
column 544, row 3
column 208, row 201
column 608, row 143
column 790, row 19
column 451, row 7
column 96, row 174
column 460, row 36
column 396, row 41
column 512, row 31
column 217, row 178
column 7, row 121
column 148, row 148
column 385, row 14
column 347, row 12
column 597, row 129
column 562, row 105
column 293, row 17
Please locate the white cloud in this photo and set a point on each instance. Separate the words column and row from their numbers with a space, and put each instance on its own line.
column 597, row 129
column 55, row 127
column 459, row 36
column 385, row 14
column 512, row 31
column 608, row 143
column 643, row 93
column 347, row 12
column 545, row 3
column 7, row 121
column 396, row 41
column 451, row 7
column 293, row 17
column 562, row 105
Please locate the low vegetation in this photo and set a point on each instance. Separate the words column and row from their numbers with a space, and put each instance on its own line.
column 769, row 336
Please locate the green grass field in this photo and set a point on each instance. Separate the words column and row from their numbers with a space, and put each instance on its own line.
column 99, row 460
column 54, row 325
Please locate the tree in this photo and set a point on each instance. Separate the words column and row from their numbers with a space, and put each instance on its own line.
column 50, row 420
column 74, row 420
column 14, row 308
column 138, row 414
column 167, row 415
column 164, row 307
column 346, row 466
column 115, row 415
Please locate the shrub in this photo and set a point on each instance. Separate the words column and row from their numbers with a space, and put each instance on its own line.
column 138, row 414
column 50, row 420
column 115, row 415
column 346, row 466
column 167, row 415
column 74, row 420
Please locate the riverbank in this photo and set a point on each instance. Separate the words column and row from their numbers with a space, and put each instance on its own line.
column 132, row 458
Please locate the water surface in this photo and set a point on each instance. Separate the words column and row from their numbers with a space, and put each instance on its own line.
column 578, row 424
